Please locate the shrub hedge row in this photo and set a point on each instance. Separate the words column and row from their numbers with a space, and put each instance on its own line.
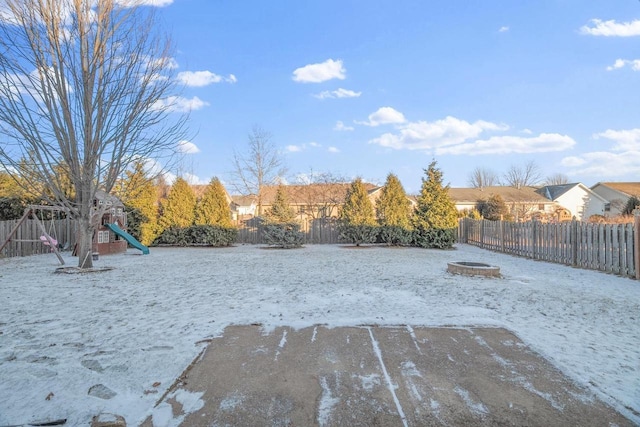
column 289, row 236
column 198, row 235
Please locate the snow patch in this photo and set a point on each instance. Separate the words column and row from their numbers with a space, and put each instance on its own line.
column 390, row 385
column 477, row 408
column 327, row 403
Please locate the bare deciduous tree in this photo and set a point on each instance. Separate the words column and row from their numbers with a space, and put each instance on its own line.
column 322, row 193
column 524, row 175
column 481, row 178
column 84, row 85
column 261, row 165
column 556, row 179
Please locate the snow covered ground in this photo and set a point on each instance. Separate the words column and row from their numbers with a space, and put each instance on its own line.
column 135, row 328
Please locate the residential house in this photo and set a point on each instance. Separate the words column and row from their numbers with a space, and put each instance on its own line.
column 524, row 203
column 243, row 207
column 577, row 198
column 617, row 195
column 313, row 201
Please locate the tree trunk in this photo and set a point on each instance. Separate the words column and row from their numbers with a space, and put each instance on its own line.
column 85, row 241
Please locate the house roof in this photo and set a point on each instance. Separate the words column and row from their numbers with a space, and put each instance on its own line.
column 508, row 194
column 552, row 192
column 243, row 200
column 627, row 188
column 313, row 193
column 110, row 199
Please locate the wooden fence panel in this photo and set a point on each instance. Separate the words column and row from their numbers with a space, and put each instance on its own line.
column 604, row 247
column 62, row 230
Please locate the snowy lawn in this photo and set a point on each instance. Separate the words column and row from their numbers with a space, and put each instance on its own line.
column 135, row 328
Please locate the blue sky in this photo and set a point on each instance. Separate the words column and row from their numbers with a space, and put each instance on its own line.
column 364, row 88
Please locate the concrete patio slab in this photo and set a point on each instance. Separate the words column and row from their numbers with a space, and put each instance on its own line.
column 376, row 376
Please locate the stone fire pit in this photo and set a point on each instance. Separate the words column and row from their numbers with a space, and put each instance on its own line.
column 473, row 269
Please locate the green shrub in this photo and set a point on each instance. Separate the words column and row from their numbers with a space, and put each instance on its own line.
column 437, row 238
column 173, row 236
column 283, row 235
column 394, row 235
column 198, row 235
column 358, row 234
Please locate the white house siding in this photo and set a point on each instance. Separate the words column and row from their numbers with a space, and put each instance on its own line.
column 581, row 203
column 616, row 199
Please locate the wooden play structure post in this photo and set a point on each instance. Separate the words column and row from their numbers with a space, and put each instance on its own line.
column 27, row 212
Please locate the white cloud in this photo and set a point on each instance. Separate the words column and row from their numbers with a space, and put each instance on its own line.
column 203, row 78
column 187, row 147
column 318, row 73
column 384, row 116
column 503, row 29
column 340, row 93
column 425, row 135
column 527, row 131
column 333, row 150
column 621, row 63
column 604, row 164
column 598, row 27
column 545, row 142
column 625, row 140
column 301, row 147
column 342, row 127
column 180, row 104
column 622, row 159
column 194, row 179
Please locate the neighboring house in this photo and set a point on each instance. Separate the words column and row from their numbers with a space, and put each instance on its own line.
column 243, row 207
column 577, row 198
column 313, row 201
column 617, row 194
column 524, row 203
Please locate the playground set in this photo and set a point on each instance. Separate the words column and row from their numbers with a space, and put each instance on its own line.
column 110, row 236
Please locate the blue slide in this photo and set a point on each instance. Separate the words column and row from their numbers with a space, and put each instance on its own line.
column 128, row 237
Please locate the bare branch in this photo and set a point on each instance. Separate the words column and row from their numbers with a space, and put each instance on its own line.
column 481, row 178
column 83, row 86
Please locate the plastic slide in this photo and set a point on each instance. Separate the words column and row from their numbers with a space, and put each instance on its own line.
column 128, row 237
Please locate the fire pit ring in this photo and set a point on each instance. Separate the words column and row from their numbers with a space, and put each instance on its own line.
column 473, row 269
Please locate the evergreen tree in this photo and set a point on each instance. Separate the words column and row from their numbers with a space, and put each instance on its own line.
column 393, row 207
column 632, row 203
column 393, row 212
column 139, row 194
column 213, row 208
column 435, row 218
column 281, row 228
column 494, row 208
column 178, row 210
column 280, row 212
column 357, row 219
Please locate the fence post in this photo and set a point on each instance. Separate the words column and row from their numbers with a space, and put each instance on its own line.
column 574, row 242
column 501, row 234
column 636, row 238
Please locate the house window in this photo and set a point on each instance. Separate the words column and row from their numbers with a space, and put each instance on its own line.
column 541, row 207
column 119, row 211
column 607, row 207
column 103, row 237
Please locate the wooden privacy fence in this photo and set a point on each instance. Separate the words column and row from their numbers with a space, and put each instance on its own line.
column 315, row 231
column 613, row 248
column 63, row 230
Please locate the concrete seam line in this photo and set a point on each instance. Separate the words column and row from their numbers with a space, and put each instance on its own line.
column 376, row 350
